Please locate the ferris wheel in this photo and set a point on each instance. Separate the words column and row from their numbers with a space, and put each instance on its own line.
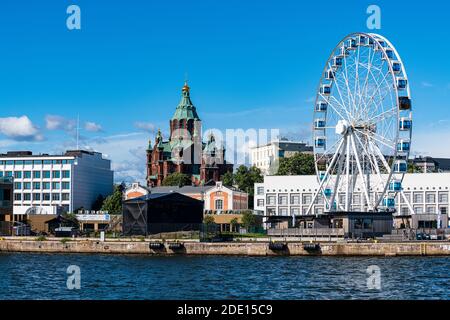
column 362, row 126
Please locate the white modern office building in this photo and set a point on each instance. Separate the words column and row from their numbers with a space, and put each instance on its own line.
column 50, row 184
column 287, row 196
column 266, row 157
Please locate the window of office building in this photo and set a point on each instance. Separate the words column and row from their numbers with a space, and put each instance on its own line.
column 8, row 174
column 66, row 185
column 418, row 209
column 430, row 197
column 271, row 199
column 306, row 198
column 55, row 196
column 295, row 198
column 36, row 174
column 37, row 162
column 36, row 196
column 66, row 174
column 260, row 202
column 418, row 197
column 431, row 209
column 18, row 174
column 295, row 211
column 17, row 185
column 443, row 197
column 46, row 185
column 65, row 196
column 404, row 211
column 318, row 210
column 56, row 174
column 443, row 210
column 46, row 174
column 27, row 185
column 27, row 196
column 356, row 199
column 271, row 211
column 9, row 162
column 46, row 196
column 407, row 196
column 36, row 185
column 56, row 185
column 28, row 162
column 259, row 190
column 283, row 199
column 283, row 211
column 17, row 196
column 27, row 174
column 47, row 161
column 18, row 162
column 342, row 198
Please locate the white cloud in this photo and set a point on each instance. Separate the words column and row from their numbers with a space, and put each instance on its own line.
column 54, row 122
column 20, row 128
column 431, row 143
column 92, row 127
column 146, row 126
column 426, row 84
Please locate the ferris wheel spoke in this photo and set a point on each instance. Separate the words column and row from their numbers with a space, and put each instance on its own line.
column 378, row 138
column 328, row 151
column 383, row 116
column 361, row 173
column 334, row 107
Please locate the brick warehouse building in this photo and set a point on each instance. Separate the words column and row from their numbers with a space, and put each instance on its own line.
column 185, row 152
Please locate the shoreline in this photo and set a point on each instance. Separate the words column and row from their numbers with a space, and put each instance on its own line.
column 241, row 248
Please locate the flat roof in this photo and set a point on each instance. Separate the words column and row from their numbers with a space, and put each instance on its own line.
column 29, row 154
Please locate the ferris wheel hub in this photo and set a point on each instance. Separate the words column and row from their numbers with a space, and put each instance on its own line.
column 342, row 127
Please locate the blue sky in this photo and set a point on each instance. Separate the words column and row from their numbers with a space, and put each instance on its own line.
column 250, row 65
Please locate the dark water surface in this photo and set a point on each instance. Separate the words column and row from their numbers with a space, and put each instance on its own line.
column 44, row 276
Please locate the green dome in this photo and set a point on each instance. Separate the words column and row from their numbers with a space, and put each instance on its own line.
column 185, row 109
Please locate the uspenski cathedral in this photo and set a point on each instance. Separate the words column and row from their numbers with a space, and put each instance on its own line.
column 184, row 151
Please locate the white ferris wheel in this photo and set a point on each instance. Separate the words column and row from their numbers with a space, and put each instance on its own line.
column 362, row 126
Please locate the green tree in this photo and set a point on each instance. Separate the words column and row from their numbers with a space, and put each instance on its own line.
column 234, row 224
column 208, row 220
column 248, row 220
column 227, row 179
column 245, row 178
column 177, row 179
column 298, row 164
column 98, row 203
column 113, row 202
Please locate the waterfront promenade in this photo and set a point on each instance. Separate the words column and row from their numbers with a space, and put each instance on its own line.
column 262, row 247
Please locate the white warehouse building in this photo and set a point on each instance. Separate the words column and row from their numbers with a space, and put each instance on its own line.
column 288, row 196
column 51, row 184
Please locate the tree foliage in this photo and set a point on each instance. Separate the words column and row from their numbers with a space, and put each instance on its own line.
column 177, row 179
column 298, row 164
column 113, row 202
column 245, row 179
column 248, row 220
column 208, row 219
column 98, row 203
column 227, row 179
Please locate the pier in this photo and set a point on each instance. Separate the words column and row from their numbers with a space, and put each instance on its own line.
column 249, row 248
